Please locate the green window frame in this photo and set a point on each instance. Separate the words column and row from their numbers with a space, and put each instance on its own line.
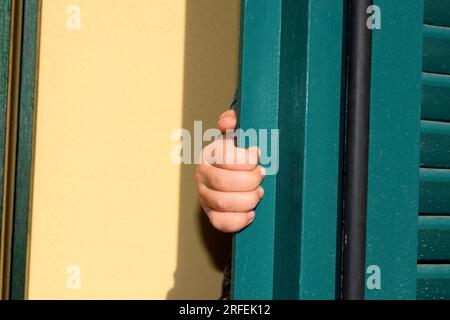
column 18, row 114
column 5, row 32
column 292, row 78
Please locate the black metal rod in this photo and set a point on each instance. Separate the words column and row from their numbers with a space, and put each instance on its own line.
column 356, row 150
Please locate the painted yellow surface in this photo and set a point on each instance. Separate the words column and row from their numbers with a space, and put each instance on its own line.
column 112, row 216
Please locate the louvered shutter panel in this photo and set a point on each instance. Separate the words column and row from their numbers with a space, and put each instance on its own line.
column 434, row 209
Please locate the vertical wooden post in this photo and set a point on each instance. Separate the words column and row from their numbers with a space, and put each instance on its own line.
column 291, row 76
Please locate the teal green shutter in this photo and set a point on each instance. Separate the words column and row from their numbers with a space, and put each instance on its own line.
column 394, row 150
column 434, row 219
column 291, row 80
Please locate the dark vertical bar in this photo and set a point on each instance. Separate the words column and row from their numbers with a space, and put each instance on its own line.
column 357, row 146
column 25, row 142
column 10, row 141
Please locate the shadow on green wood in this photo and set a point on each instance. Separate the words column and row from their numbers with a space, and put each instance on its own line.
column 291, row 59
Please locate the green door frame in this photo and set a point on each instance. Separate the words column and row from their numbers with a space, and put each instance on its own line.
column 291, row 76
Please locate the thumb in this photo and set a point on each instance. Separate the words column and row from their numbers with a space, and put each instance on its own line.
column 227, row 121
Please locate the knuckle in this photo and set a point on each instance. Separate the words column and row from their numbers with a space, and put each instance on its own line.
column 202, row 191
column 256, row 179
column 248, row 204
column 221, row 203
column 218, row 182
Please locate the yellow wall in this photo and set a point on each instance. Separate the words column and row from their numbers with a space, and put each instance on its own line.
column 106, row 196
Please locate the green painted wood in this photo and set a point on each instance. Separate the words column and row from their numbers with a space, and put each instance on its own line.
column 436, row 49
column 437, row 12
column 435, row 144
column 394, row 149
column 435, row 97
column 253, row 248
column 24, row 148
column 5, row 28
column 433, row 282
column 434, row 238
column 434, row 191
column 291, row 79
column 309, row 117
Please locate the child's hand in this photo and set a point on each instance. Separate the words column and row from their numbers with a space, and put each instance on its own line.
column 229, row 191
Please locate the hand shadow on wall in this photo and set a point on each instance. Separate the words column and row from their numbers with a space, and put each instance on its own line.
column 210, row 68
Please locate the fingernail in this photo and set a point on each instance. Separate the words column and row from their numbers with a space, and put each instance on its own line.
column 251, row 216
column 260, row 192
column 263, row 171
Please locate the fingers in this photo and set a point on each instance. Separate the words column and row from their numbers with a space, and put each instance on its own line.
column 230, row 181
column 230, row 221
column 227, row 121
column 229, row 201
column 225, row 155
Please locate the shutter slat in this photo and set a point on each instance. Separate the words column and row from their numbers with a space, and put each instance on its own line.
column 435, row 144
column 433, row 281
column 433, row 270
column 437, row 12
column 434, row 238
column 434, row 191
column 436, row 51
column 435, row 97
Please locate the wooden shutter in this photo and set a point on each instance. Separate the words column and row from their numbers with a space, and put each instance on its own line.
column 291, row 81
column 394, row 150
column 434, row 212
